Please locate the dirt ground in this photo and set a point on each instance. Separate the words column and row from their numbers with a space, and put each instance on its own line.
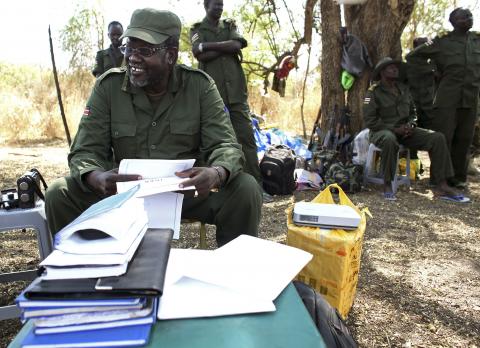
column 419, row 283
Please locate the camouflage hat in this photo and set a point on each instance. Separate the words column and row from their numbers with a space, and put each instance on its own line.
column 153, row 26
column 382, row 64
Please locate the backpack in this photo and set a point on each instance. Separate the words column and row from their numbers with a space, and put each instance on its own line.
column 348, row 176
column 277, row 167
column 329, row 323
column 322, row 160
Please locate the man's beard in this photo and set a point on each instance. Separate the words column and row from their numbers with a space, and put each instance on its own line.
column 139, row 84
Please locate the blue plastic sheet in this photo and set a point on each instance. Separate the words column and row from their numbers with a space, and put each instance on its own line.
column 275, row 136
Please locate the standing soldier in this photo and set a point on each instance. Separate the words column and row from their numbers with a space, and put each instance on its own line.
column 457, row 57
column 217, row 46
column 421, row 81
column 110, row 57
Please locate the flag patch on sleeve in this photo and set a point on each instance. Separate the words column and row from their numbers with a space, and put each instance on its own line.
column 366, row 100
column 86, row 112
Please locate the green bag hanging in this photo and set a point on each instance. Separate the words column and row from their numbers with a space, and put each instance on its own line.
column 347, row 80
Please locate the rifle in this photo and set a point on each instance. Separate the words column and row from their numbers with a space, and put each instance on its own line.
column 314, row 130
column 327, row 141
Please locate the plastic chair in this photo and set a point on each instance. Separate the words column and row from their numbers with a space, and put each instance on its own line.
column 371, row 176
column 21, row 219
column 202, row 230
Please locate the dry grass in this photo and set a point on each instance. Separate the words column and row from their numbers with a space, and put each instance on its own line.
column 29, row 103
column 30, row 110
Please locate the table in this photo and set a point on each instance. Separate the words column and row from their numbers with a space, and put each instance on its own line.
column 289, row 326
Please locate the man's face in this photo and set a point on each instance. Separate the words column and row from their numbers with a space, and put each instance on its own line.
column 390, row 71
column 214, row 9
column 114, row 34
column 144, row 70
column 463, row 20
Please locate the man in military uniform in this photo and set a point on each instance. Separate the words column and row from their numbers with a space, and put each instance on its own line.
column 389, row 113
column 111, row 57
column 421, row 81
column 217, row 45
column 457, row 58
column 156, row 109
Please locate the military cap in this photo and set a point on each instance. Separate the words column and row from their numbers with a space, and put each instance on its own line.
column 382, row 64
column 153, row 26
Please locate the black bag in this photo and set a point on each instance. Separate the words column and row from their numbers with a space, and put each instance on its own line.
column 329, row 323
column 277, row 167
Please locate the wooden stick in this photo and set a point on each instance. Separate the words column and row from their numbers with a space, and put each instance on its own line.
column 59, row 93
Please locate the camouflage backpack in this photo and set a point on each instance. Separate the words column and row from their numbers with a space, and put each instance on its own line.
column 348, row 176
column 322, row 160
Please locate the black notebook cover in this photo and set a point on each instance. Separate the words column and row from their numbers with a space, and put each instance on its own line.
column 145, row 275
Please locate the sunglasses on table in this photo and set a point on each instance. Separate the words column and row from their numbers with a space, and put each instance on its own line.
column 143, row 51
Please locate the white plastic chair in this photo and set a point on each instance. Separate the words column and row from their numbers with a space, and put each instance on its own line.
column 371, row 176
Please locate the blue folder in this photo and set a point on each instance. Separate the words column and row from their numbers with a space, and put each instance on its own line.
column 130, row 336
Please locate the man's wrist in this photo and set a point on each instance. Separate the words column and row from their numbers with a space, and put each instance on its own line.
column 221, row 175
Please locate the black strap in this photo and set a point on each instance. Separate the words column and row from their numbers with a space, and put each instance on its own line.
column 37, row 189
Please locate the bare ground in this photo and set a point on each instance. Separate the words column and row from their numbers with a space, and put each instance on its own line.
column 419, row 283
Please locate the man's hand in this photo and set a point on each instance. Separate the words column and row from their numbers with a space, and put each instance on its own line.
column 105, row 183
column 196, row 49
column 403, row 131
column 204, row 179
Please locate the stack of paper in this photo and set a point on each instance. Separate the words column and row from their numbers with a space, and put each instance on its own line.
column 91, row 312
column 101, row 241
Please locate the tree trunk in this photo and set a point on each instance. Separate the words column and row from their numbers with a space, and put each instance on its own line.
column 332, row 91
column 379, row 24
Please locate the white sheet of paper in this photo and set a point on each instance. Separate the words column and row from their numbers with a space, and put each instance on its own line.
column 110, row 245
column 84, row 272
column 157, row 175
column 60, row 258
column 164, row 210
column 185, row 297
column 252, row 266
column 192, row 298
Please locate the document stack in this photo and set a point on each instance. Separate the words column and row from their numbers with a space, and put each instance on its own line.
column 100, row 286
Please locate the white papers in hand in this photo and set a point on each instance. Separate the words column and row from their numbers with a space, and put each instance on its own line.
column 157, row 175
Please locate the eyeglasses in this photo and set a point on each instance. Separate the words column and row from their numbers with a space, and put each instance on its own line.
column 143, row 51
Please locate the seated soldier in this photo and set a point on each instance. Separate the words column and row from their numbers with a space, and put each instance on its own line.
column 156, row 109
column 389, row 113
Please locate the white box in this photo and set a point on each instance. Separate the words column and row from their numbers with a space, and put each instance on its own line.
column 330, row 216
